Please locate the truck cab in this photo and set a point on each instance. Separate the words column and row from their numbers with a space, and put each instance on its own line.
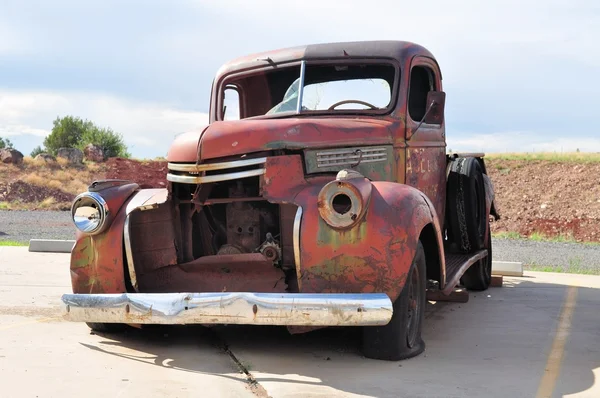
column 319, row 194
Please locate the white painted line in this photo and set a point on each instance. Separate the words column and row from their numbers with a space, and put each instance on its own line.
column 51, row 246
column 507, row 268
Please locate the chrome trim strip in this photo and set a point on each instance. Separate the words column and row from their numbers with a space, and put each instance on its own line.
column 214, row 178
column 296, row 243
column 351, row 151
column 129, row 254
column 301, row 87
column 301, row 309
column 194, row 168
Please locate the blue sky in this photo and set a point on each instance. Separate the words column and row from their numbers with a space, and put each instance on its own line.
column 519, row 75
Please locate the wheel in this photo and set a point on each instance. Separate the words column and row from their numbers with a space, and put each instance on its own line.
column 479, row 275
column 466, row 205
column 106, row 327
column 401, row 337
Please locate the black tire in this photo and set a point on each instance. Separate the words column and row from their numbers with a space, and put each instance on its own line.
column 466, row 205
column 106, row 327
column 401, row 337
column 479, row 275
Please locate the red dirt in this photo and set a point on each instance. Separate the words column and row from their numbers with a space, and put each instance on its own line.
column 550, row 198
column 150, row 174
column 28, row 193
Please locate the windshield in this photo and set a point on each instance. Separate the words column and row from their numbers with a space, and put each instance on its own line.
column 329, row 88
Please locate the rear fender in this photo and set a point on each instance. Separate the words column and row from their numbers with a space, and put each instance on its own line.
column 372, row 256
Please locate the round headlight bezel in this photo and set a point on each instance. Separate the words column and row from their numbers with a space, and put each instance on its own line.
column 327, row 209
column 93, row 200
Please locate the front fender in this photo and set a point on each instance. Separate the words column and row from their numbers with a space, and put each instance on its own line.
column 374, row 255
column 97, row 260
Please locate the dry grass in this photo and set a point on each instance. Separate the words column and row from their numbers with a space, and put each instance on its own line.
column 566, row 157
column 55, row 175
column 48, row 204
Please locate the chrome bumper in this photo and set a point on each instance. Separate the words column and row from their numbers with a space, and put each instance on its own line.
column 298, row 309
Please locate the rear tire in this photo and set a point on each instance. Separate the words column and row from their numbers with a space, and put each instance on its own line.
column 401, row 337
column 466, row 205
column 107, row 327
column 479, row 275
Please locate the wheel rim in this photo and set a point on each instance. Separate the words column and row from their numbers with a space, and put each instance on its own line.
column 414, row 308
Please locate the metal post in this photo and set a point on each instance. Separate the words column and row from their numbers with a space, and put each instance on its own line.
column 301, row 89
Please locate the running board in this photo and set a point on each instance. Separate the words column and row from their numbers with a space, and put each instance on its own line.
column 457, row 265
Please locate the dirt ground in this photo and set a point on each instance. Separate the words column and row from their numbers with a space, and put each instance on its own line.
column 554, row 199
column 551, row 198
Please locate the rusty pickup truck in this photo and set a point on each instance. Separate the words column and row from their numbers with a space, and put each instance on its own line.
column 319, row 194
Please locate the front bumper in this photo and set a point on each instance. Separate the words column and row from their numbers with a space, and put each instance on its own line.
column 286, row 309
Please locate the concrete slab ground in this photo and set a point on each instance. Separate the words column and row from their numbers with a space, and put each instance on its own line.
column 539, row 335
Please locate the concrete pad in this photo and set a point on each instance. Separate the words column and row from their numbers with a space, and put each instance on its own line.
column 40, row 355
column 51, row 245
column 507, row 268
column 496, row 345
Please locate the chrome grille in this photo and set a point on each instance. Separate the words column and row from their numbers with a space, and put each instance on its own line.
column 349, row 156
column 191, row 173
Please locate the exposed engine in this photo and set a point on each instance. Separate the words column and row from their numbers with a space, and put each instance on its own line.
column 249, row 226
column 215, row 236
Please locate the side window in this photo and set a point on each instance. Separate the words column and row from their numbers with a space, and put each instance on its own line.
column 231, row 103
column 421, row 82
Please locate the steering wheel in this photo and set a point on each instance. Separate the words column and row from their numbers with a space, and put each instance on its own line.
column 350, row 102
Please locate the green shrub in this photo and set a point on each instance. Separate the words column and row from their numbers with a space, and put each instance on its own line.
column 36, row 151
column 111, row 142
column 73, row 132
column 5, row 143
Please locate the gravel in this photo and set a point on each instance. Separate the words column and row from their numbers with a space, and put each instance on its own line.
column 549, row 256
column 22, row 226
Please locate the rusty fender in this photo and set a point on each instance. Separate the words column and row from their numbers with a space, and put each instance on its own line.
column 97, row 260
column 372, row 255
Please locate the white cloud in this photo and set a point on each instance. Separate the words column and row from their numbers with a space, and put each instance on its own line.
column 146, row 127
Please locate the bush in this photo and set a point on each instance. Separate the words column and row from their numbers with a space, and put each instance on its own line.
column 66, row 133
column 73, row 132
column 5, row 143
column 36, row 151
column 111, row 143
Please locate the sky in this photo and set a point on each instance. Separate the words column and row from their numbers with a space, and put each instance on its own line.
column 519, row 75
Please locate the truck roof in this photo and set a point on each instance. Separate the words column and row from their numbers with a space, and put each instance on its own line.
column 400, row 51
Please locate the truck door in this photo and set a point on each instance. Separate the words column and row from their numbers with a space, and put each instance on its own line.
column 425, row 144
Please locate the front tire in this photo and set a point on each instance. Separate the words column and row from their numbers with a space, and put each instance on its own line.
column 401, row 337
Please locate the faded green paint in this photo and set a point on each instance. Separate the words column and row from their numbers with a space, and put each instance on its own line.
column 376, row 171
column 335, row 238
column 83, row 255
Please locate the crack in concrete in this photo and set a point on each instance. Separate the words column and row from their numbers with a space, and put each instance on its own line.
column 255, row 387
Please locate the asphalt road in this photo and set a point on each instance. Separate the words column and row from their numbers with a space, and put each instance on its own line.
column 536, row 336
column 23, row 226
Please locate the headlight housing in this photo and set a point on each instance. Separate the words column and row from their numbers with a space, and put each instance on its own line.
column 342, row 203
column 89, row 213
